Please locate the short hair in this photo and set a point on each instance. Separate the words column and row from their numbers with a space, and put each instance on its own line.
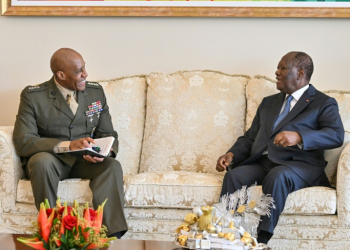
column 304, row 61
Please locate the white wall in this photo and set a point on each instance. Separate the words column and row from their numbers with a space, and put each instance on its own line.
column 114, row 47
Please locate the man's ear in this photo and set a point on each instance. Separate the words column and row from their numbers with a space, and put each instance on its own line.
column 60, row 75
column 301, row 73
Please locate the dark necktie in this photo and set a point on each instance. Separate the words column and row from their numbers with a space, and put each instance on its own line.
column 284, row 112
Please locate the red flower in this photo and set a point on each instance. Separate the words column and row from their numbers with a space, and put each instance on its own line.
column 92, row 214
column 49, row 211
column 69, row 222
column 69, row 209
column 45, row 223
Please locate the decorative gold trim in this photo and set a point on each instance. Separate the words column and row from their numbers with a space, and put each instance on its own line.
column 177, row 72
column 205, row 70
column 121, row 78
column 8, row 10
column 265, row 77
column 5, row 5
column 336, row 91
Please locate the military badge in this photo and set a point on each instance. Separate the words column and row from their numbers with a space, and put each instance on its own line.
column 34, row 87
column 94, row 108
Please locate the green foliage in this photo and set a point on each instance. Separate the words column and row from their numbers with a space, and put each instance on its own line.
column 55, row 221
column 46, row 245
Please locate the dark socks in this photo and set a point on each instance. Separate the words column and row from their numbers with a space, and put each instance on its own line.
column 264, row 237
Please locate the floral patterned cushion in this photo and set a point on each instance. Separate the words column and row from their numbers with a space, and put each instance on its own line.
column 343, row 99
column 186, row 189
column 327, row 221
column 260, row 86
column 82, row 192
column 257, row 88
column 310, row 201
column 307, row 244
column 172, row 189
column 332, row 156
column 10, row 171
column 192, row 118
column 126, row 99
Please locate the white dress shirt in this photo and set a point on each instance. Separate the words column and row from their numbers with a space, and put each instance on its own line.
column 296, row 96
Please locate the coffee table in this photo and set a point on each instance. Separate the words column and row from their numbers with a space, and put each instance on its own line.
column 10, row 242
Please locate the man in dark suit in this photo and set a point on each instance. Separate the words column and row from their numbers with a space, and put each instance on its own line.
column 283, row 149
column 54, row 116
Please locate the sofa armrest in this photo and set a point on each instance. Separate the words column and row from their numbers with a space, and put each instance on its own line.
column 10, row 170
column 343, row 187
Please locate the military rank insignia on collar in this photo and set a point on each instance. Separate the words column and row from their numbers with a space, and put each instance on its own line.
column 33, row 87
column 94, row 108
column 93, row 83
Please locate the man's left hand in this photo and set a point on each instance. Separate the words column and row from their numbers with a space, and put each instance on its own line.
column 94, row 159
column 288, row 138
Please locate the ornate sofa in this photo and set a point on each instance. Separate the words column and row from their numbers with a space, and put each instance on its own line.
column 172, row 128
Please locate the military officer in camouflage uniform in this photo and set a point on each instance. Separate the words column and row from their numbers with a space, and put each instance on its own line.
column 54, row 113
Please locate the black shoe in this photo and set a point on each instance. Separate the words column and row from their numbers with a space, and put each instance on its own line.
column 117, row 234
column 264, row 237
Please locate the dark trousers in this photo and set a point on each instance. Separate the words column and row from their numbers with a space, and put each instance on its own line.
column 106, row 181
column 277, row 180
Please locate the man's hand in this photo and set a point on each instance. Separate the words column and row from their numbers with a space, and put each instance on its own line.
column 94, row 159
column 84, row 143
column 81, row 143
column 224, row 161
column 287, row 138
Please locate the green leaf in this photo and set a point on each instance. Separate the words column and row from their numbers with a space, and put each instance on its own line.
column 46, row 245
column 86, row 229
column 63, row 239
column 52, row 245
column 37, row 235
column 55, row 221
column 47, row 204
column 82, row 239
column 80, row 232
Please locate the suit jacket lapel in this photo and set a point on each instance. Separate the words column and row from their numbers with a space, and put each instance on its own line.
column 59, row 101
column 274, row 112
column 302, row 103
